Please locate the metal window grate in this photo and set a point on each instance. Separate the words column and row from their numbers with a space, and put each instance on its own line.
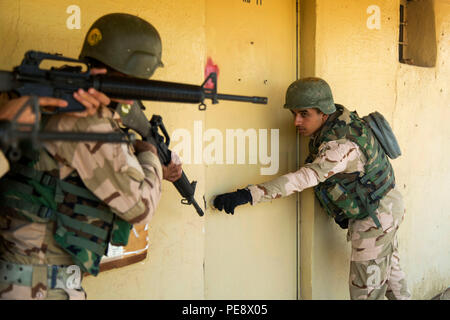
column 417, row 44
column 402, row 36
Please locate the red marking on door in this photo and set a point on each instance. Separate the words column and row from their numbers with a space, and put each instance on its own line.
column 209, row 68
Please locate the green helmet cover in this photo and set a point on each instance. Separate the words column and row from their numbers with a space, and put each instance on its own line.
column 310, row 93
column 125, row 43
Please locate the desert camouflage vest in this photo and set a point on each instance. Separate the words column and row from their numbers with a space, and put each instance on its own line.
column 353, row 195
column 84, row 225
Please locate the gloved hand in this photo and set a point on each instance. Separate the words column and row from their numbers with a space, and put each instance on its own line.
column 342, row 221
column 231, row 200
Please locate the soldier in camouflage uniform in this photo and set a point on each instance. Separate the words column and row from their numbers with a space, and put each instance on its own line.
column 60, row 210
column 354, row 182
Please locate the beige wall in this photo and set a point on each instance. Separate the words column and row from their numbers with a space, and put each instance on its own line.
column 253, row 254
column 192, row 257
column 174, row 266
column 362, row 67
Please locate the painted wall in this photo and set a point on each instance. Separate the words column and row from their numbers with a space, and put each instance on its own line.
column 174, row 266
column 359, row 58
column 192, row 257
column 253, row 253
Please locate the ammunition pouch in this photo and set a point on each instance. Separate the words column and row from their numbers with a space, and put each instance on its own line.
column 84, row 225
column 348, row 195
column 354, row 195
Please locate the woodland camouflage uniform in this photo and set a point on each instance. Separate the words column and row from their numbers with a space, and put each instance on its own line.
column 4, row 165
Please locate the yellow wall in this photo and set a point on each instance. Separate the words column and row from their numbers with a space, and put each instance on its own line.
column 362, row 67
column 192, row 257
column 256, row 52
column 174, row 267
column 253, row 254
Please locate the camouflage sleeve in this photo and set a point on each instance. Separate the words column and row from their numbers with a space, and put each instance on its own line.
column 336, row 157
column 4, row 164
column 333, row 157
column 129, row 184
column 4, row 98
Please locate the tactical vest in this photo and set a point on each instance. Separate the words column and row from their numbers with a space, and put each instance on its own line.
column 84, row 224
column 353, row 195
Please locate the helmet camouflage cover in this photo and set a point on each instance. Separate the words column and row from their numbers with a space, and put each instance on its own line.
column 125, row 43
column 310, row 93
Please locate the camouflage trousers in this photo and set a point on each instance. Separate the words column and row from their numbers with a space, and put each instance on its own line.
column 374, row 268
column 15, row 292
column 40, row 282
column 375, row 279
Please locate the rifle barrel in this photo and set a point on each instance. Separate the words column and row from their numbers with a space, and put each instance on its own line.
column 231, row 97
column 197, row 207
column 143, row 89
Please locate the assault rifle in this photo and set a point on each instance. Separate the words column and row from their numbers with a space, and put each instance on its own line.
column 29, row 79
column 133, row 117
column 12, row 132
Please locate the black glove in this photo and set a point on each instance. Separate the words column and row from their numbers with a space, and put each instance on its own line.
column 342, row 221
column 231, row 200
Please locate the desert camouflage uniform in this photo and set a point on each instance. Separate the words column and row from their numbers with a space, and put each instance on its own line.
column 130, row 185
column 4, row 98
column 4, row 165
column 374, row 270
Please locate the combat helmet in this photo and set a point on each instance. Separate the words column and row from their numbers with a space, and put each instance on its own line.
column 125, row 43
column 310, row 93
